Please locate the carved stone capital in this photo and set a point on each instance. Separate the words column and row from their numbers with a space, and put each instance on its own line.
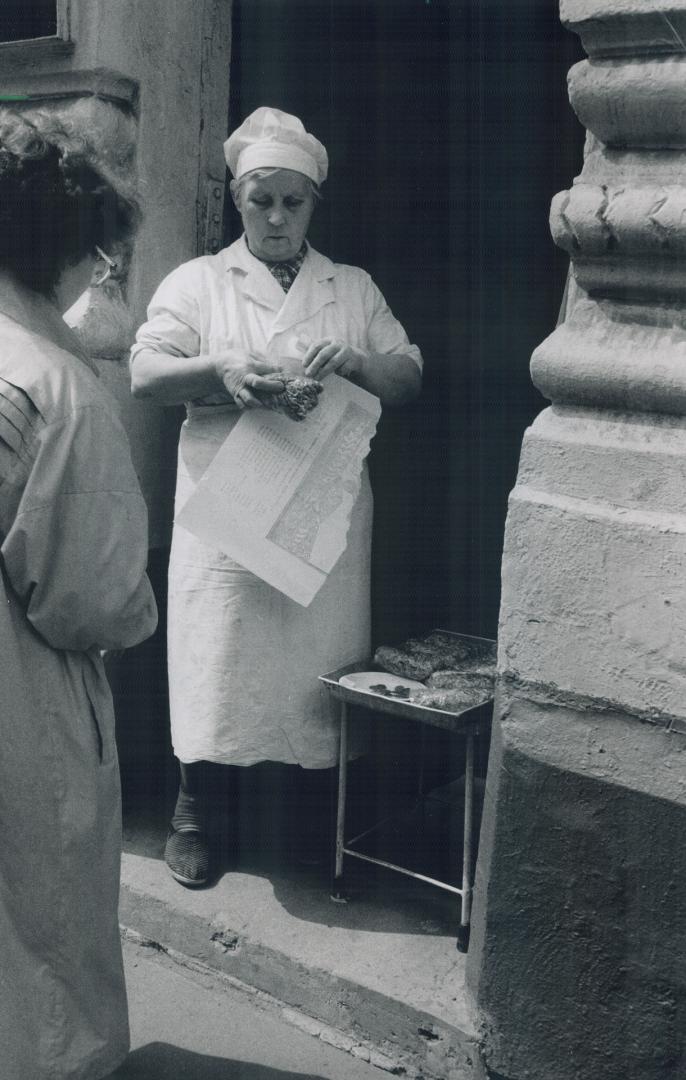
column 625, row 241
column 623, row 222
column 591, row 219
column 626, row 27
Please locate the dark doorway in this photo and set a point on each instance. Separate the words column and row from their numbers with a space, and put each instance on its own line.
column 449, row 130
column 21, row 20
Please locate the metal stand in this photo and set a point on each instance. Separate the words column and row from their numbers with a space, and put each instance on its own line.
column 466, row 893
column 338, row 892
column 465, row 722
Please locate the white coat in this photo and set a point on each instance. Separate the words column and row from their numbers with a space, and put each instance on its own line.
column 73, row 547
column 243, row 658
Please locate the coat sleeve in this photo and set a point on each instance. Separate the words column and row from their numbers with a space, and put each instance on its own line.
column 384, row 333
column 76, row 550
column 173, row 323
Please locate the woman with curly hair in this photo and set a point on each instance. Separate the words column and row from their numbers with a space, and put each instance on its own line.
column 73, row 545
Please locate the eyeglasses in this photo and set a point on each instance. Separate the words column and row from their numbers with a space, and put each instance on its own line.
column 110, row 267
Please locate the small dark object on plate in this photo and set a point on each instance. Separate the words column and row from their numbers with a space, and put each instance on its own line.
column 298, row 397
column 398, row 692
column 401, row 692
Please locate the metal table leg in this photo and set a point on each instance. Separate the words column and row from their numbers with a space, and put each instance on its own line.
column 466, row 901
column 422, row 762
column 338, row 892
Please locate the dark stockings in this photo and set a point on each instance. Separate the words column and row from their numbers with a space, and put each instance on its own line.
column 316, row 792
column 316, row 810
column 197, row 779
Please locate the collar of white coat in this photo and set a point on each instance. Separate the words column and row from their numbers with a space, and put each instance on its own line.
column 311, row 290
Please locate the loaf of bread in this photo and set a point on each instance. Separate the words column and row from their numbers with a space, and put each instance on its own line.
column 410, row 661
column 418, row 658
column 457, row 699
column 470, row 673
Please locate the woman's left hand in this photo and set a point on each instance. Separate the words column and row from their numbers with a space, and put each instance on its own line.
column 328, row 356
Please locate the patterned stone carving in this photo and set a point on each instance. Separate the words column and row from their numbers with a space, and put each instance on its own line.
column 619, row 357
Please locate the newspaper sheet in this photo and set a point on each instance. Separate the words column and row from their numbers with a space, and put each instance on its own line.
column 278, row 496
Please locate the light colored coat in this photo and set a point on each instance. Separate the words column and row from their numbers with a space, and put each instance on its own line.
column 243, row 658
column 73, row 547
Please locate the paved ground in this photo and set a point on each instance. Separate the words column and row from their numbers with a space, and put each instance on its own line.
column 190, row 1025
column 383, row 970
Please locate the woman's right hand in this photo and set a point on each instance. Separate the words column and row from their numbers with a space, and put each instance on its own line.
column 241, row 374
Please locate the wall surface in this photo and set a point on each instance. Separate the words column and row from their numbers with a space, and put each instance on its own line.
column 582, row 947
column 577, row 960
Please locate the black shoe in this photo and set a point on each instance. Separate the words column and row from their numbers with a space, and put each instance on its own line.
column 187, row 854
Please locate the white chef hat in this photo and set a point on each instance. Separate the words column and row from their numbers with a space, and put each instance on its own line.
column 273, row 139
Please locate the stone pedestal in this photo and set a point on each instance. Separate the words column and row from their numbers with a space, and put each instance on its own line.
column 578, row 958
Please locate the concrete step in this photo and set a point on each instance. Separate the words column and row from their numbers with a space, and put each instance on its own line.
column 189, row 1022
column 382, row 971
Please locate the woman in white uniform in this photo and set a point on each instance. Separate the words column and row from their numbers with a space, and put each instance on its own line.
column 73, row 548
column 243, row 658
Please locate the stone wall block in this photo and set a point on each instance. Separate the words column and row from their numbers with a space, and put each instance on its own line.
column 632, row 462
column 592, row 610
column 594, row 598
column 633, row 102
column 579, row 877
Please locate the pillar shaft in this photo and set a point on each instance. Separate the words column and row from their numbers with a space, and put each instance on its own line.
column 577, row 959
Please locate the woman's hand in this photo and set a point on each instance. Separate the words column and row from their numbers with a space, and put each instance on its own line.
column 327, row 356
column 241, row 374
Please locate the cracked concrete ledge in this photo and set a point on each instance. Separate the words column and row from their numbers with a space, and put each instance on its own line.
column 408, row 1018
column 513, row 686
column 331, row 1036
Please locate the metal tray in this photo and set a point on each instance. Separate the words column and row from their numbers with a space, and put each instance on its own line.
column 467, row 717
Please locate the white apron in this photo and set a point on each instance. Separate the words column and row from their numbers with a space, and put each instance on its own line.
column 243, row 658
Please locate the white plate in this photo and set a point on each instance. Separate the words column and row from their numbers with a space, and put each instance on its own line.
column 365, row 680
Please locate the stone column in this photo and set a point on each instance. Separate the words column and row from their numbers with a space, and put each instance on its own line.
column 578, row 954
